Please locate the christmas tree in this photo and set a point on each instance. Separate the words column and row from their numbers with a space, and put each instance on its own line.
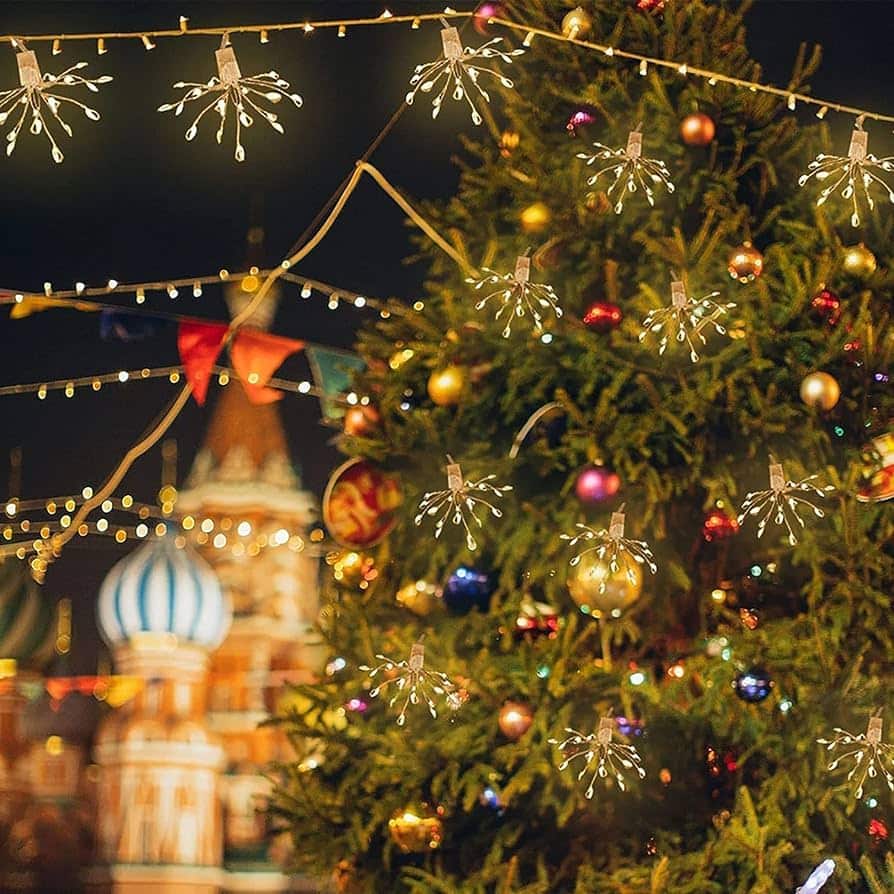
column 636, row 707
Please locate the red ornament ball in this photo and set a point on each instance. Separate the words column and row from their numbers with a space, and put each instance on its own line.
column 596, row 484
column 827, row 306
column 603, row 316
column 650, row 5
column 718, row 525
column 361, row 421
column 582, row 117
column 878, row 830
column 697, row 130
column 485, row 12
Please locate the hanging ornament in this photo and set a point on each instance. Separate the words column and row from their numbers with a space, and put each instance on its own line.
column 535, row 218
column 360, row 504
column 697, row 130
column 820, row 391
column 459, row 499
column 535, row 619
column 601, row 592
column 446, row 386
column 603, row 316
column 878, row 470
column 870, row 755
column 685, row 318
column 745, row 263
column 877, row 830
column 650, row 5
column 718, row 525
column 579, row 119
column 414, row 683
column 509, row 141
column 515, row 719
column 781, row 500
column 38, row 93
column 859, row 261
column 419, row 597
column 595, row 484
column 460, row 69
column 612, row 759
column 631, row 170
column 611, row 546
column 491, row 797
column 416, row 830
column 468, row 588
column 516, row 294
column 817, row 878
column 753, row 685
column 852, row 171
column 827, row 306
column 484, row 12
column 361, row 421
column 576, row 23
column 231, row 87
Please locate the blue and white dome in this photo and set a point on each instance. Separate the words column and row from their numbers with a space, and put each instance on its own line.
column 161, row 588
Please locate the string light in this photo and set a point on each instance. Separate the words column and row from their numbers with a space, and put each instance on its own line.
column 230, row 86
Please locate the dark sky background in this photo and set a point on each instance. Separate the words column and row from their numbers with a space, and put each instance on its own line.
column 134, row 201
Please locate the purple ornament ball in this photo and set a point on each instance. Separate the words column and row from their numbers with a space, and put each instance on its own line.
column 595, row 484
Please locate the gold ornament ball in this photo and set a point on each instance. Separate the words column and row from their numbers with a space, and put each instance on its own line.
column 858, row 260
column 586, row 578
column 535, row 218
column 416, row 830
column 820, row 390
column 697, row 129
column 745, row 263
column 576, row 23
column 446, row 386
column 418, row 596
column 515, row 719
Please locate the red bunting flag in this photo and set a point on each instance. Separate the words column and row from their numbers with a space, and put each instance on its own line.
column 199, row 345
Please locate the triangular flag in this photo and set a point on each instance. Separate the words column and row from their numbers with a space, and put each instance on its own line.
column 333, row 370
column 199, row 345
column 256, row 356
column 35, row 304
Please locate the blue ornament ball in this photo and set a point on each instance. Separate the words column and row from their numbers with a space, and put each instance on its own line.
column 753, row 685
column 468, row 588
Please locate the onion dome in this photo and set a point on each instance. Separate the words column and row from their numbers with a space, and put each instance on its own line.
column 27, row 628
column 163, row 589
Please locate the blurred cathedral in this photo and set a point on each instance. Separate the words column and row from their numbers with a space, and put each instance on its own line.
column 164, row 793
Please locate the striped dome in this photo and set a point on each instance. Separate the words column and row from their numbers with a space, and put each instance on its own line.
column 161, row 588
column 27, row 629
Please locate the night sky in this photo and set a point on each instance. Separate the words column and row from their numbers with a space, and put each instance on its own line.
column 134, row 201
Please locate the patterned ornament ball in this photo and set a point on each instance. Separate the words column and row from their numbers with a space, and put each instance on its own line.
column 746, row 263
column 446, row 386
column 580, row 119
column 859, row 261
column 827, row 306
column 419, row 597
column 718, row 525
column 595, row 484
column 484, row 13
column 603, row 316
column 361, row 421
column 535, row 218
column 416, row 830
column 515, row 719
column 820, row 391
column 468, row 588
column 697, row 130
column 753, row 685
column 586, row 579
column 576, row 23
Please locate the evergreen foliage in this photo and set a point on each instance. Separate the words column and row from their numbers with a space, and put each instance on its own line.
column 682, row 437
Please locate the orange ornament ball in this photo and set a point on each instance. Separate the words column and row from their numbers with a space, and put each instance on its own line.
column 820, row 390
column 361, row 421
column 515, row 719
column 446, row 386
column 746, row 263
column 697, row 129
